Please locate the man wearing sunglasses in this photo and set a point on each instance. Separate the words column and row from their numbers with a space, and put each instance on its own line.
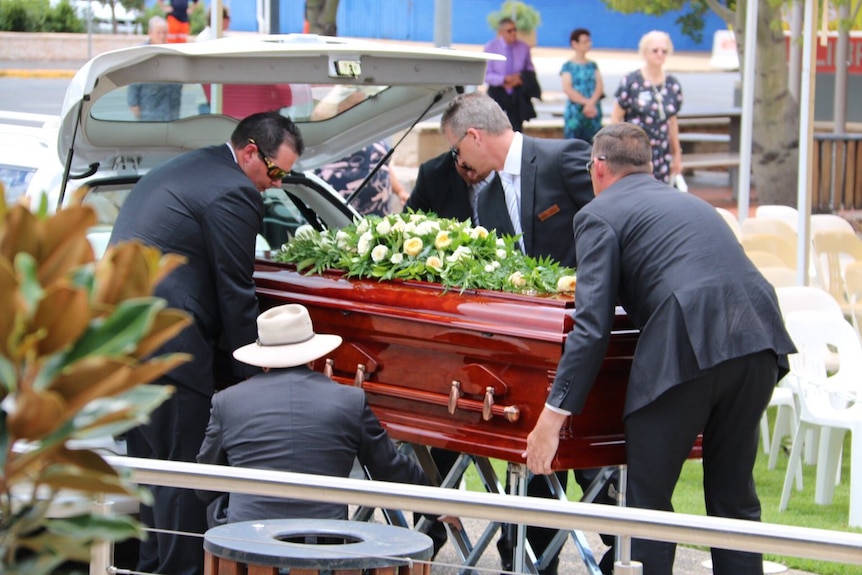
column 207, row 206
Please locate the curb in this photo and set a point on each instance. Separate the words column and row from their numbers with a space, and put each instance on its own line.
column 21, row 73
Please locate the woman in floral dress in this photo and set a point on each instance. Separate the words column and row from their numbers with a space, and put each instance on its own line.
column 582, row 83
column 651, row 99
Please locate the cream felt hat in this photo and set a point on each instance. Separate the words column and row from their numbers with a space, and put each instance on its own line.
column 286, row 338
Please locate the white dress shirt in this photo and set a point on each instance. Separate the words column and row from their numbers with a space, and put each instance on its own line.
column 510, row 177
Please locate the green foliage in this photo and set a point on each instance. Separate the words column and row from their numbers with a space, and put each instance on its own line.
column 76, row 344
column 197, row 22
column 62, row 18
column 415, row 246
column 38, row 16
column 690, row 21
column 526, row 17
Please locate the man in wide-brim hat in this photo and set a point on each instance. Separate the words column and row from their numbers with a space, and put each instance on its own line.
column 290, row 418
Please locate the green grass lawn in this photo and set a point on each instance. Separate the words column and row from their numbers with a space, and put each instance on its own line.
column 801, row 511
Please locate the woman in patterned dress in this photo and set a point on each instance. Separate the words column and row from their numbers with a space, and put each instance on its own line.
column 651, row 99
column 582, row 83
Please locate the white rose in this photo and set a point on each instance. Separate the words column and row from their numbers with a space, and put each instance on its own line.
column 396, row 258
column 442, row 241
column 501, row 254
column 566, row 284
column 413, row 246
column 478, row 233
column 383, row 227
column 517, row 279
column 379, row 253
column 489, row 268
column 415, row 218
column 434, row 263
column 399, row 225
column 500, row 243
column 305, row 231
column 364, row 243
column 362, row 226
column 342, row 240
column 496, row 264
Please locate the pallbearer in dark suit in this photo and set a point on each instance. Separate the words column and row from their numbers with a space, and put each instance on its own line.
column 207, row 206
column 291, row 418
column 543, row 184
column 711, row 349
column 450, row 188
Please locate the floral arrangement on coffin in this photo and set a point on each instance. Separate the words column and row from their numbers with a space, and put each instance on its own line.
column 417, row 246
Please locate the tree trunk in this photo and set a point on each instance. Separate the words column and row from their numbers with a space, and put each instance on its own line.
column 775, row 140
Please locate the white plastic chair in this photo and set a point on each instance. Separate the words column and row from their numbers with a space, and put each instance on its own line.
column 823, row 222
column 731, row 220
column 779, row 276
column 773, row 226
column 833, row 251
column 787, row 213
column 828, row 401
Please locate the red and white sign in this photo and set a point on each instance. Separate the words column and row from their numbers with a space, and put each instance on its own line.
column 827, row 54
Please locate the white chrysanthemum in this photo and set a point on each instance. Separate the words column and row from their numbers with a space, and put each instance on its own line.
column 305, row 231
column 434, row 263
column 364, row 243
column 517, row 279
column 342, row 240
column 413, row 246
column 396, row 258
column 566, row 284
column 443, row 240
column 383, row 227
column 379, row 253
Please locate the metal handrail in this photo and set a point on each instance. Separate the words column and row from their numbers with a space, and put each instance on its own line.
column 821, row 544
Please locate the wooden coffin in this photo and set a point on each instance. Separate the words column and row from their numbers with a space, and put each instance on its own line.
column 467, row 371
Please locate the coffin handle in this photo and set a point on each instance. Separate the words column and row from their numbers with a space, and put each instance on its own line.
column 359, row 378
column 488, row 404
column 328, row 368
column 454, row 396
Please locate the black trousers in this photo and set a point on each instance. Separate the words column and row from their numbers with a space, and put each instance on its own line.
column 175, row 433
column 726, row 403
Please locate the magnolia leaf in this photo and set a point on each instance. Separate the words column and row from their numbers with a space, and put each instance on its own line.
column 39, row 564
column 26, row 269
column 113, row 416
column 120, row 333
column 19, row 233
column 122, row 273
column 167, row 324
column 64, row 244
column 12, row 305
column 62, row 315
column 97, row 527
column 85, row 459
column 36, row 413
column 157, row 367
column 92, row 377
column 76, row 478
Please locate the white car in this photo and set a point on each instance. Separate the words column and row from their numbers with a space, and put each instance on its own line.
column 343, row 94
column 28, row 154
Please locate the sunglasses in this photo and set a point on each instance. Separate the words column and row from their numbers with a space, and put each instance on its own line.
column 659, row 51
column 456, row 153
column 272, row 170
column 592, row 161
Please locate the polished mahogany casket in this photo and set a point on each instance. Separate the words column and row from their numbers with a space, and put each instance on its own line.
column 466, row 371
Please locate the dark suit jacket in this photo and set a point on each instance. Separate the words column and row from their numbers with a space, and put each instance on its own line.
column 682, row 277
column 554, row 186
column 202, row 206
column 301, row 421
column 440, row 189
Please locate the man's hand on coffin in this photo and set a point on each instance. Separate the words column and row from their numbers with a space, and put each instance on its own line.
column 543, row 441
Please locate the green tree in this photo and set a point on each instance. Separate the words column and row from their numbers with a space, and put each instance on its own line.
column 775, row 140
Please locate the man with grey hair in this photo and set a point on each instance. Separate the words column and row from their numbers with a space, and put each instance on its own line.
column 544, row 184
column 155, row 102
column 712, row 342
column 544, row 181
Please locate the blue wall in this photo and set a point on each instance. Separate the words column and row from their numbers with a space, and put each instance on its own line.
column 414, row 20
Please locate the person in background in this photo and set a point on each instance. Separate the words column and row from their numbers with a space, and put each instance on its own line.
column 155, row 102
column 449, row 188
column 712, row 343
column 512, row 83
column 293, row 429
column 650, row 98
column 208, row 33
column 320, row 17
column 177, row 14
column 207, row 206
column 583, row 85
column 382, row 194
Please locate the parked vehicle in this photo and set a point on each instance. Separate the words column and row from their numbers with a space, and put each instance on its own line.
column 28, row 157
column 343, row 94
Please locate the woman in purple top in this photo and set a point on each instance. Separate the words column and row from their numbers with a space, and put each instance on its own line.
column 512, row 83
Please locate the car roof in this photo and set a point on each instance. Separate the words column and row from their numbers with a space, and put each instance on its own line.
column 406, row 85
